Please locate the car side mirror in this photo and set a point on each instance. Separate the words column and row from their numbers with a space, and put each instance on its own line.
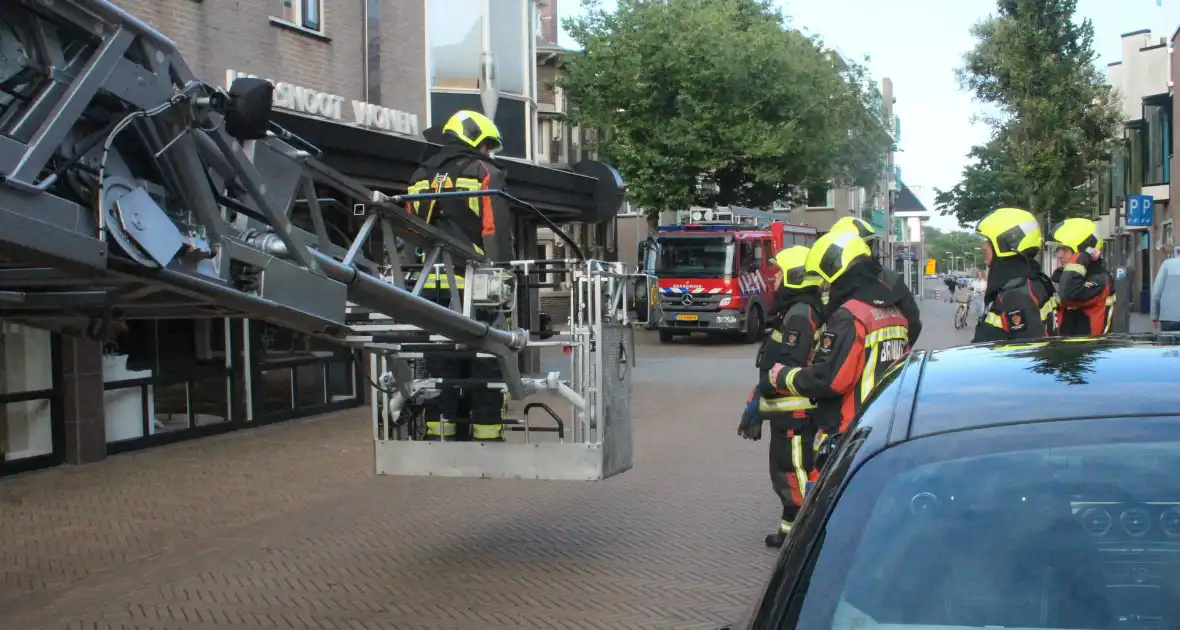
column 826, row 449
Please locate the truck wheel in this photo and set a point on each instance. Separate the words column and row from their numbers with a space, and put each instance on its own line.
column 755, row 324
column 665, row 336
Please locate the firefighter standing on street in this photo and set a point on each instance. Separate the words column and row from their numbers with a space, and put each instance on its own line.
column 891, row 279
column 1085, row 289
column 792, row 430
column 465, row 164
column 1020, row 300
column 864, row 334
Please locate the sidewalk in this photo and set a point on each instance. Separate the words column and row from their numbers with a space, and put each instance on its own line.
column 1141, row 323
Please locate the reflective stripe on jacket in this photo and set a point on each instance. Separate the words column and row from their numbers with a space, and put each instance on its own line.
column 858, row 344
column 791, row 346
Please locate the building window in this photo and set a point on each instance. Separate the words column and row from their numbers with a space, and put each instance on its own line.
column 1158, row 146
column 820, row 196
column 1118, row 178
column 455, row 42
column 306, row 14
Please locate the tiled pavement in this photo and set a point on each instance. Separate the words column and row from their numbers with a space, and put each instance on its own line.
column 286, row 527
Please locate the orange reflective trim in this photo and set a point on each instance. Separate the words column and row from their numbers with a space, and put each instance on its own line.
column 486, row 216
column 850, row 370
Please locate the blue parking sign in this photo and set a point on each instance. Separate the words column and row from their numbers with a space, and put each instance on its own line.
column 1140, row 210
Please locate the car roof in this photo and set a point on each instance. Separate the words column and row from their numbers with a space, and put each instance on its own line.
column 1017, row 382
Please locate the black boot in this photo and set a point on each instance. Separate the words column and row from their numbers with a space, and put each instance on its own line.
column 778, row 538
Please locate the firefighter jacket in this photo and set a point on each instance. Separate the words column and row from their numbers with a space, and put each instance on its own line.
column 865, row 334
column 783, row 298
column 905, row 301
column 1086, row 298
column 484, row 222
column 790, row 345
column 1021, row 302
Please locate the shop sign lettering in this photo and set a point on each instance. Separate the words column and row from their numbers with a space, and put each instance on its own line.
column 303, row 100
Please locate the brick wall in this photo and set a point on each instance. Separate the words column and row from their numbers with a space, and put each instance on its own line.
column 545, row 92
column 218, row 35
column 558, row 307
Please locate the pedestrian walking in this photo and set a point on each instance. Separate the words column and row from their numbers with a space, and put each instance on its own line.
column 978, row 288
column 1165, row 295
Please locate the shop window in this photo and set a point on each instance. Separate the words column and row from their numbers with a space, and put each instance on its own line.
column 26, row 392
column 165, row 376
column 297, row 375
column 306, row 14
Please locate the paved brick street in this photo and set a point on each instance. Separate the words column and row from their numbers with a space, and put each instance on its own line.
column 286, row 527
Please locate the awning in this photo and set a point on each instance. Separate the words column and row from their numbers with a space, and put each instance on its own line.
column 591, row 193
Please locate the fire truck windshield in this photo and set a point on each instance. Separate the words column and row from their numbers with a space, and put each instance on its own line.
column 694, row 256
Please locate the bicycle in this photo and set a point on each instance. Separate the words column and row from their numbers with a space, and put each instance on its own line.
column 961, row 315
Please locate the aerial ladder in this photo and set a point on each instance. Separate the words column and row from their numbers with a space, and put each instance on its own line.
column 130, row 188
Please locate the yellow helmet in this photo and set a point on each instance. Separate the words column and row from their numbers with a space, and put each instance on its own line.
column 1077, row 234
column 852, row 224
column 474, row 129
column 793, row 262
column 1011, row 232
column 834, row 253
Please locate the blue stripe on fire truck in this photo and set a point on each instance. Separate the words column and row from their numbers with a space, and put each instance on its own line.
column 683, row 290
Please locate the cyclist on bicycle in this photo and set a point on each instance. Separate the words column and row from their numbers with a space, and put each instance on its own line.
column 963, row 297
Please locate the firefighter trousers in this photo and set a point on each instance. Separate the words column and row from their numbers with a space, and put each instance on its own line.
column 792, row 463
column 484, row 406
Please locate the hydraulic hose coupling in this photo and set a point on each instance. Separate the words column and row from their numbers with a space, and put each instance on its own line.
column 268, row 242
column 520, row 339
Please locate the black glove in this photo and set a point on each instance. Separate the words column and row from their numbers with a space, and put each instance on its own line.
column 750, row 426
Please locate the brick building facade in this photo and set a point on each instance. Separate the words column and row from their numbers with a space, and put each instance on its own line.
column 69, row 399
column 377, row 56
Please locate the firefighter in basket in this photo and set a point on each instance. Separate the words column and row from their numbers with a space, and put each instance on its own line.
column 465, row 164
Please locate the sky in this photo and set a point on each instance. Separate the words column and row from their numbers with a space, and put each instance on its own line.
column 918, row 44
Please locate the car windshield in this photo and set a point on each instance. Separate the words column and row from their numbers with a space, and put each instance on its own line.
column 1050, row 525
column 694, row 256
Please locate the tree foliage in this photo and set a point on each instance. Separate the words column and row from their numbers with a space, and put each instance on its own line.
column 958, row 243
column 1056, row 117
column 721, row 92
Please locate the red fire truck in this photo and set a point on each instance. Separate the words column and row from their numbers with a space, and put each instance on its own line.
column 717, row 278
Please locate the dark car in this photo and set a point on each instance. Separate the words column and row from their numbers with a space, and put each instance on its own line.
column 1030, row 485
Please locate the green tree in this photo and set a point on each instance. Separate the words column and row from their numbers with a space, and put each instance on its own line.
column 1056, row 117
column 963, row 245
column 704, row 102
column 990, row 181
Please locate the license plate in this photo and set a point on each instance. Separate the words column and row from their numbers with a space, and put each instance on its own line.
column 683, row 317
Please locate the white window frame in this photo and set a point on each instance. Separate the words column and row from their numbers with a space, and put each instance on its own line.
column 544, row 134
column 297, row 8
